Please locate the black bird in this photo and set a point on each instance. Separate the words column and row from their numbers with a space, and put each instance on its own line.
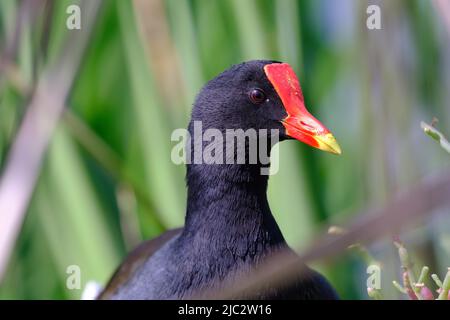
column 229, row 228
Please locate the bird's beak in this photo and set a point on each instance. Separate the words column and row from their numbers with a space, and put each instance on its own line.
column 299, row 123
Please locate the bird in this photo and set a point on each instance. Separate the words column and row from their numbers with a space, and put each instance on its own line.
column 229, row 228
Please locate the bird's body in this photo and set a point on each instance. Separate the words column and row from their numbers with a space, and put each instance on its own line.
column 229, row 228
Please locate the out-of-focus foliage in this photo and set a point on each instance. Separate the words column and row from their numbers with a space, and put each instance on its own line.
column 108, row 181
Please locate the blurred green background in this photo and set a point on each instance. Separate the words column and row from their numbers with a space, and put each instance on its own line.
column 107, row 181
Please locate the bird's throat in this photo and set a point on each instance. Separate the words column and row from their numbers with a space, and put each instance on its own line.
column 228, row 210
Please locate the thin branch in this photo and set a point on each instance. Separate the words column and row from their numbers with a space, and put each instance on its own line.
column 100, row 151
column 25, row 157
column 436, row 135
column 27, row 13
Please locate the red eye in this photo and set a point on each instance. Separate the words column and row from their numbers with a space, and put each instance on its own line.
column 257, row 96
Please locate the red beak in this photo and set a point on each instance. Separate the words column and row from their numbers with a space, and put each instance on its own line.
column 299, row 123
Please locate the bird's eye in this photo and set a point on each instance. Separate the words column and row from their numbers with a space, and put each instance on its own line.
column 257, row 96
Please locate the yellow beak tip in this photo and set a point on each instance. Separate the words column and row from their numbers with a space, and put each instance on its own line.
column 328, row 143
column 337, row 150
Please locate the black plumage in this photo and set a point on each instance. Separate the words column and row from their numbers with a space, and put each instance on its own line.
column 229, row 228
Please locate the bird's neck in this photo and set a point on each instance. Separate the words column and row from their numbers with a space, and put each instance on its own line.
column 228, row 210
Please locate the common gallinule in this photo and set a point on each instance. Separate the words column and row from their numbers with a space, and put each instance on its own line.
column 229, row 227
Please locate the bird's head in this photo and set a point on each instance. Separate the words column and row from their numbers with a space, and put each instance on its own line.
column 261, row 94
